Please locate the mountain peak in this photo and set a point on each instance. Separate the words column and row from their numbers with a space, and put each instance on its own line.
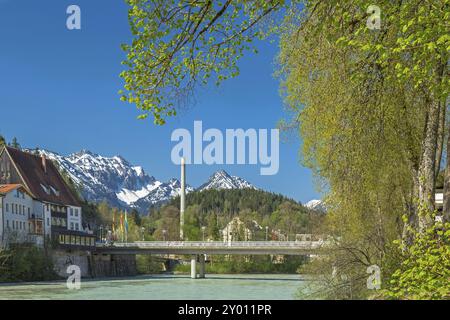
column 316, row 205
column 83, row 152
column 222, row 180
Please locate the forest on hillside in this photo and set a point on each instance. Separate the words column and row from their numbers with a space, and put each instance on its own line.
column 213, row 210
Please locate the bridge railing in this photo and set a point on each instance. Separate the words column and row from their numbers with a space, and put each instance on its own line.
column 219, row 244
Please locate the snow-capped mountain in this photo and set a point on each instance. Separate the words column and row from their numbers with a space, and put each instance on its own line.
column 316, row 205
column 115, row 180
column 121, row 184
column 222, row 180
column 163, row 193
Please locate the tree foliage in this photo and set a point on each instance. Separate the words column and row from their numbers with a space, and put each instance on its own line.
column 424, row 272
column 26, row 263
column 180, row 44
column 370, row 107
column 214, row 209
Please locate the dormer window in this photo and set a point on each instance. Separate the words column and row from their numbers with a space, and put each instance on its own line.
column 47, row 191
column 55, row 192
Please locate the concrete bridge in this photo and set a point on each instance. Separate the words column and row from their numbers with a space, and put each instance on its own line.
column 198, row 249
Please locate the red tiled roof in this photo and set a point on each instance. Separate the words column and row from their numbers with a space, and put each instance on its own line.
column 32, row 171
column 7, row 188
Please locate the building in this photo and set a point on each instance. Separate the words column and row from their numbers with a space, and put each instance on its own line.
column 19, row 221
column 36, row 203
column 236, row 230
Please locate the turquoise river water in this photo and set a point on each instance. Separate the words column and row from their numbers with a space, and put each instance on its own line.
column 165, row 287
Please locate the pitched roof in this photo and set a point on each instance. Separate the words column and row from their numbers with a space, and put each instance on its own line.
column 41, row 181
column 7, row 188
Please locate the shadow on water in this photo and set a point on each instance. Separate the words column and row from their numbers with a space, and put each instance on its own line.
column 230, row 277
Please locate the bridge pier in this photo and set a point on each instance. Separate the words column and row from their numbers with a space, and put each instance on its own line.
column 194, row 267
column 202, row 266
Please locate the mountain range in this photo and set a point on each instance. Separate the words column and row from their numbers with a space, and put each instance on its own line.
column 123, row 185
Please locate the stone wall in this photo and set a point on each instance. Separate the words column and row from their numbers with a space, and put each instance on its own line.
column 63, row 258
column 93, row 265
column 112, row 265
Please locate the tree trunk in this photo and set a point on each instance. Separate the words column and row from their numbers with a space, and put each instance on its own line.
column 411, row 212
column 441, row 139
column 446, row 208
column 427, row 168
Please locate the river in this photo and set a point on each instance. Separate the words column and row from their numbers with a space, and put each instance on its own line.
column 165, row 287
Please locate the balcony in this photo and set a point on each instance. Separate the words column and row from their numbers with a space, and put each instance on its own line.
column 34, row 217
column 36, row 226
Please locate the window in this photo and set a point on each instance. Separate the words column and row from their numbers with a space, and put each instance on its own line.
column 71, row 226
column 77, row 227
column 76, row 212
column 46, row 190
column 7, row 207
column 71, row 211
column 29, row 213
column 7, row 224
column 55, row 192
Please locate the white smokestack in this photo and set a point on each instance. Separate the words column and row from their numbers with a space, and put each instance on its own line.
column 182, row 197
column 44, row 163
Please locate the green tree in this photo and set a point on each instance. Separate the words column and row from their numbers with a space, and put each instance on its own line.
column 15, row 143
column 424, row 272
column 178, row 45
column 369, row 106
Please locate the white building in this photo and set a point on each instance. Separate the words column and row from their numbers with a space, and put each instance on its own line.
column 36, row 204
column 236, row 230
column 19, row 220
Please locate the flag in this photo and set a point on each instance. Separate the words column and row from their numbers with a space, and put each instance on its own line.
column 121, row 222
column 114, row 223
column 126, row 222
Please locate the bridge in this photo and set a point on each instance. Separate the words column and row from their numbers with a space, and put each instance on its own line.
column 198, row 249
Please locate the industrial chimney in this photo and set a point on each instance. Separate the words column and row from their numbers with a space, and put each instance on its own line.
column 44, row 163
column 182, row 197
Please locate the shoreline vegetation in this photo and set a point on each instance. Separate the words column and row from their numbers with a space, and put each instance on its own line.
column 26, row 263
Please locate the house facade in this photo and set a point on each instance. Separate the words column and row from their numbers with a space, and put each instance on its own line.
column 236, row 230
column 36, row 205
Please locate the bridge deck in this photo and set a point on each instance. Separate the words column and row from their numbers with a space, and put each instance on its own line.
column 214, row 247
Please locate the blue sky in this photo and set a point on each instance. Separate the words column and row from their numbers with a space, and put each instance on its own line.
column 59, row 91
